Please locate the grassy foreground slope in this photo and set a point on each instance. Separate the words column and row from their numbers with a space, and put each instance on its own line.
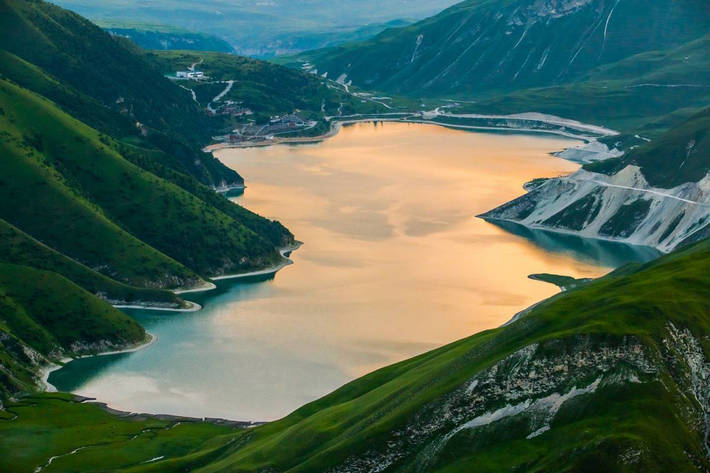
column 611, row 376
column 54, row 424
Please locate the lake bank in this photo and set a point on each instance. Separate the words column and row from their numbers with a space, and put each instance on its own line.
column 526, row 123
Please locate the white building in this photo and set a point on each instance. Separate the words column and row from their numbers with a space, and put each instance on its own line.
column 195, row 75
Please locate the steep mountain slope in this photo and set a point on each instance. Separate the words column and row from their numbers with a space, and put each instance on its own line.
column 115, row 213
column 482, row 46
column 87, row 185
column 645, row 93
column 611, row 376
column 19, row 248
column 656, row 195
column 45, row 316
column 106, row 82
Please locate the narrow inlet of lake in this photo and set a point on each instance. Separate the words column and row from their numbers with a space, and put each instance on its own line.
column 394, row 263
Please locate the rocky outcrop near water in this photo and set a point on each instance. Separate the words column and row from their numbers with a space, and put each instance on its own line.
column 622, row 207
column 656, row 195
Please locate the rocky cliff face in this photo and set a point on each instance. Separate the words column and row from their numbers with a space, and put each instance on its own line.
column 621, row 207
column 529, row 391
column 657, row 195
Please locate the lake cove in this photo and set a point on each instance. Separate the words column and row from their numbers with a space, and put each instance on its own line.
column 394, row 263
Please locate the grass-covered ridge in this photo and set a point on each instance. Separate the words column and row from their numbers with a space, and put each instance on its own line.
column 44, row 316
column 103, row 186
column 618, row 353
column 19, row 248
column 106, row 82
column 645, row 93
column 85, row 166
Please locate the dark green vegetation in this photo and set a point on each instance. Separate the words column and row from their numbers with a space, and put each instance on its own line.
column 610, row 376
column 265, row 88
column 19, row 248
column 105, row 82
column 156, row 37
column 104, row 193
column 680, row 155
column 645, row 93
column 563, row 282
column 44, row 314
column 91, row 193
column 264, row 29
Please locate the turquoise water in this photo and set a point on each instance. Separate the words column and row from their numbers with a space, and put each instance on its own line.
column 393, row 263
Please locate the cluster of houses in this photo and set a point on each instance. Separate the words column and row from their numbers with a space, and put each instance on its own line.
column 231, row 108
column 286, row 122
column 191, row 75
column 277, row 125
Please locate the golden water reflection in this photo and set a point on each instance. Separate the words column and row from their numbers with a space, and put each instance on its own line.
column 394, row 263
column 395, row 260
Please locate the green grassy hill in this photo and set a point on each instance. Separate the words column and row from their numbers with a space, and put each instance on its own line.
column 87, row 224
column 106, row 82
column 87, row 184
column 611, row 376
column 46, row 316
column 19, row 248
column 121, row 209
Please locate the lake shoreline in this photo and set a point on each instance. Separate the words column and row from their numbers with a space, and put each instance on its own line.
column 273, row 269
column 191, row 307
column 421, row 118
column 46, row 370
column 286, row 261
column 274, row 296
column 562, row 231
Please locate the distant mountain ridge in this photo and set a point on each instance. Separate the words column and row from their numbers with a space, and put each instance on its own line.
column 148, row 37
column 484, row 46
column 263, row 28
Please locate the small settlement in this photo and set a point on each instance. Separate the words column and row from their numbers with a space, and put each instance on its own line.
column 249, row 131
column 278, row 125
